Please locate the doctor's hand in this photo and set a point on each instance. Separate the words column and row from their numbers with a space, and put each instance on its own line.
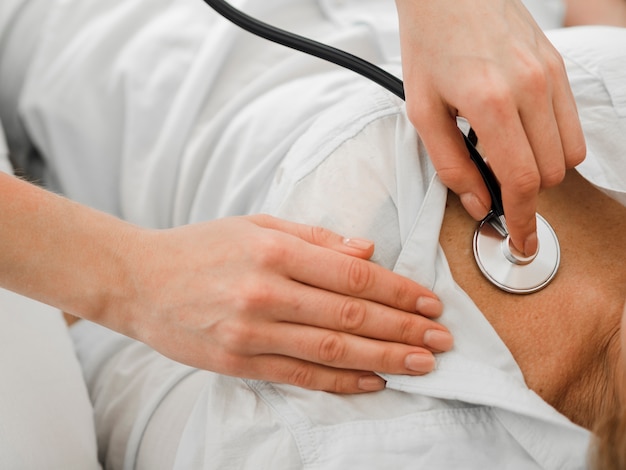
column 262, row 298
column 489, row 62
column 253, row 297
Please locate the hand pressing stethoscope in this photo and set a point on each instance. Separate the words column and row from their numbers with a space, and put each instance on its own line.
column 494, row 252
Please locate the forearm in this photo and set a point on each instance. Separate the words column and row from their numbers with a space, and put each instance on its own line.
column 61, row 253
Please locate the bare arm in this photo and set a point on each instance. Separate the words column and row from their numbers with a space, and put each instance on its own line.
column 255, row 296
column 601, row 12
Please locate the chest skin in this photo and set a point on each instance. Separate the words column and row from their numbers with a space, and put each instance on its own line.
column 558, row 335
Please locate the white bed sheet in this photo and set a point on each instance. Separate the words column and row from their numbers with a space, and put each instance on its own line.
column 46, row 419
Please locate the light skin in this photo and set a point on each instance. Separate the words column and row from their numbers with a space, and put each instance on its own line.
column 252, row 296
column 601, row 12
column 608, row 449
column 328, row 342
column 489, row 62
column 344, row 326
column 567, row 339
column 498, row 72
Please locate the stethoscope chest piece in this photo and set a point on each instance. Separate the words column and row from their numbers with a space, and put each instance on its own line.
column 507, row 269
column 494, row 254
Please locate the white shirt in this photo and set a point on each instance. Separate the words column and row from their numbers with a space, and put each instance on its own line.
column 165, row 77
column 117, row 88
column 474, row 410
column 353, row 139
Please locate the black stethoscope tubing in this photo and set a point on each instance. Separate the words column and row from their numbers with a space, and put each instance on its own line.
column 356, row 64
column 492, row 246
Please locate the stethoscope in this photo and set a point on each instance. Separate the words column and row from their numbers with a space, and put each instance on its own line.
column 495, row 255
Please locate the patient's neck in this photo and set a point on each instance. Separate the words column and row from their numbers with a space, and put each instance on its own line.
column 565, row 338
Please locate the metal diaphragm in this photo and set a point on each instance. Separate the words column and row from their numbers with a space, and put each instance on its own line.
column 508, row 269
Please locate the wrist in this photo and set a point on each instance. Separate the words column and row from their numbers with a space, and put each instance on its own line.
column 64, row 254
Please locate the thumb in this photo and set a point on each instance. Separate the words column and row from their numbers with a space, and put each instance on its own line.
column 447, row 151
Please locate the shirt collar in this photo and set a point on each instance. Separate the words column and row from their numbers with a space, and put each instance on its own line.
column 480, row 369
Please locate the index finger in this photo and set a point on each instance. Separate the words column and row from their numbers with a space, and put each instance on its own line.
column 512, row 160
column 355, row 277
column 320, row 258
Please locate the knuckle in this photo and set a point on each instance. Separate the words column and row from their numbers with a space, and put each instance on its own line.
column 352, row 315
column 264, row 220
column 419, row 111
column 319, row 235
column 341, row 384
column 525, row 183
column 576, row 154
column 409, row 333
column 236, row 336
column 533, row 72
column 497, row 98
column 534, row 77
column 332, row 349
column 269, row 250
column 253, row 296
column 552, row 177
column 302, row 376
column 405, row 297
column 555, row 64
column 387, row 361
column 359, row 275
column 452, row 176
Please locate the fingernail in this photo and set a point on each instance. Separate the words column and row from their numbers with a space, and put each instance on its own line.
column 474, row 206
column 358, row 243
column 531, row 244
column 420, row 362
column 429, row 306
column 438, row 340
column 371, row 383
